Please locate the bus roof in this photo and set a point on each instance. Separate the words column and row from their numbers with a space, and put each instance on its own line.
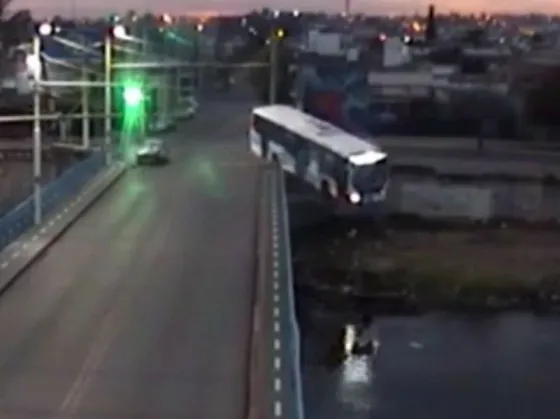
column 317, row 130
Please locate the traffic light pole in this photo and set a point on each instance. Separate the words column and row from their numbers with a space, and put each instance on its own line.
column 108, row 102
column 273, row 81
column 37, row 135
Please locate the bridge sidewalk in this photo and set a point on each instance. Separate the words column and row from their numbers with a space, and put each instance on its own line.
column 20, row 254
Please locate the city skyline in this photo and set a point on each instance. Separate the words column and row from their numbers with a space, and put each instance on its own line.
column 93, row 8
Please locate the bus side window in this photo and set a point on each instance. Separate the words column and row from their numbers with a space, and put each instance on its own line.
column 328, row 164
column 287, row 139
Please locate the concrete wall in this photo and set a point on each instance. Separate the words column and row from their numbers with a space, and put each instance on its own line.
column 430, row 198
column 530, row 201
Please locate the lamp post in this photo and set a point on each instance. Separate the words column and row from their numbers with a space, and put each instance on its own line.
column 115, row 31
column 44, row 29
column 86, row 123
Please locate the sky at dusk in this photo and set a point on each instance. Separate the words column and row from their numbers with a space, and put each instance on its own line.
column 101, row 7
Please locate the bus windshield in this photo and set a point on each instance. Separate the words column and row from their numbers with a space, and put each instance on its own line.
column 370, row 178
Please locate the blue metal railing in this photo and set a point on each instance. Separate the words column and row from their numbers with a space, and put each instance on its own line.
column 293, row 340
column 21, row 218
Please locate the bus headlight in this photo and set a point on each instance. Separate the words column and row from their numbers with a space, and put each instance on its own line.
column 355, row 197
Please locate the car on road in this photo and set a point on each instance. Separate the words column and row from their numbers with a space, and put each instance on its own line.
column 153, row 152
column 162, row 125
column 188, row 109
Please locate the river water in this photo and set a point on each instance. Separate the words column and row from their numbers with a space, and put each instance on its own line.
column 436, row 366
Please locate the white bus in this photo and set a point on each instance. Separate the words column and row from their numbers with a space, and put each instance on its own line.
column 335, row 162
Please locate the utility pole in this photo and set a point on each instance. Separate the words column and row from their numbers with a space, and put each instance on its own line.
column 108, row 92
column 275, row 38
column 273, row 70
column 37, row 134
column 85, row 100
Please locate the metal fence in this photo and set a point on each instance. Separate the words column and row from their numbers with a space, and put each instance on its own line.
column 20, row 219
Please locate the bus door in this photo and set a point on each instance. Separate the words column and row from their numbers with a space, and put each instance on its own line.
column 303, row 159
column 332, row 172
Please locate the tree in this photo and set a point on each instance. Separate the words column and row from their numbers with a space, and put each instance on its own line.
column 14, row 28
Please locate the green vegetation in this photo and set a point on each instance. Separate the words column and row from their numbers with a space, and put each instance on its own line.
column 476, row 268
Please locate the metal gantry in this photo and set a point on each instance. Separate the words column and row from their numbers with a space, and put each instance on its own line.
column 113, row 32
column 142, row 61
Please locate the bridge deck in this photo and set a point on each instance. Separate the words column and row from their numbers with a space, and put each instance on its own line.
column 142, row 309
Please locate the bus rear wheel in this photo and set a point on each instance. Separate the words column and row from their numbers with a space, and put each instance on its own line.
column 325, row 192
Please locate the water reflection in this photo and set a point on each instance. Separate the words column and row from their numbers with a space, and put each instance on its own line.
column 434, row 366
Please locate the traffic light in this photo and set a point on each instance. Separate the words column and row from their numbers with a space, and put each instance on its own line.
column 133, row 96
column 279, row 33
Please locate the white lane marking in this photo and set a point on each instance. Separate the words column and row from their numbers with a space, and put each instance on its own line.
column 4, row 265
column 277, row 342
column 278, row 409
column 15, row 255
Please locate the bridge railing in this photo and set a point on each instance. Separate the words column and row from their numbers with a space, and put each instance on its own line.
column 21, row 218
column 292, row 343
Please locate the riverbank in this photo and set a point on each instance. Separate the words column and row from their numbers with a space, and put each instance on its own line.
column 413, row 264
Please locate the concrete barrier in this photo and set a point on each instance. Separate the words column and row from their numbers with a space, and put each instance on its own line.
column 292, row 341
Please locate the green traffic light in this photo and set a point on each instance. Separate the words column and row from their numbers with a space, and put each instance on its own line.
column 133, row 95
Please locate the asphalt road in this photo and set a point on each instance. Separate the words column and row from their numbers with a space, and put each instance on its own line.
column 142, row 310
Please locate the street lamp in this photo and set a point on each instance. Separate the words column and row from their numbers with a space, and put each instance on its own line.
column 117, row 31
column 47, row 29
